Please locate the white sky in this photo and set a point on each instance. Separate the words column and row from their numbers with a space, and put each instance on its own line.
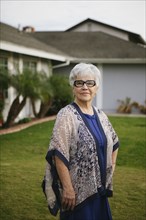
column 60, row 15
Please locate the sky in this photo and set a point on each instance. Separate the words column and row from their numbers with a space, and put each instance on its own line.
column 58, row 15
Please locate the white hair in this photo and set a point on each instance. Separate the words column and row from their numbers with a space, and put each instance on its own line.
column 84, row 69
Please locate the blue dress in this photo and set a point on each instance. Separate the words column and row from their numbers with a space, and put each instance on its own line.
column 96, row 207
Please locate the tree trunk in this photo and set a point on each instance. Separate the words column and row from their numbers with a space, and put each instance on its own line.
column 44, row 109
column 15, row 109
column 33, row 108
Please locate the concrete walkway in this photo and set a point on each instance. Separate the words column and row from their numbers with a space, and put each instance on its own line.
column 20, row 127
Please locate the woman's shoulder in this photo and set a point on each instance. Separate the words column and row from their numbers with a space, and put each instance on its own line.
column 65, row 111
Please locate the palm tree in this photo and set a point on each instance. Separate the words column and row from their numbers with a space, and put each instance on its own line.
column 33, row 85
column 26, row 85
column 46, row 95
column 4, row 82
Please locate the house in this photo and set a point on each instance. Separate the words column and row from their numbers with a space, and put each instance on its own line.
column 120, row 55
column 19, row 50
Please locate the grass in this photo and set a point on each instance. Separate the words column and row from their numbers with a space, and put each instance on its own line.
column 23, row 164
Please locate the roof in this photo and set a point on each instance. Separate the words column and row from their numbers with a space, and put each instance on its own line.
column 72, row 46
column 12, row 35
column 132, row 36
column 92, row 45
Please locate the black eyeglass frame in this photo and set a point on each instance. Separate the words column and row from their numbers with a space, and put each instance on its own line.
column 84, row 82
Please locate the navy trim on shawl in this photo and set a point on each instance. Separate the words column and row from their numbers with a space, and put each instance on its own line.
column 53, row 153
column 116, row 146
column 105, row 146
column 56, row 207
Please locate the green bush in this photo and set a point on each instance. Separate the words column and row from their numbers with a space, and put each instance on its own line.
column 62, row 93
column 24, row 120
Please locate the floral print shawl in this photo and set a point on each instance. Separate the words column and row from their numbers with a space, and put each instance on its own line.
column 75, row 144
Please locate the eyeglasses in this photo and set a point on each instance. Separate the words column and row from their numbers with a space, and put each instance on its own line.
column 80, row 83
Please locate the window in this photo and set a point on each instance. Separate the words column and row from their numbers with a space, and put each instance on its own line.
column 31, row 65
column 3, row 63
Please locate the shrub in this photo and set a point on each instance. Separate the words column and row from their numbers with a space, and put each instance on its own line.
column 62, row 93
column 24, row 120
column 142, row 108
column 126, row 106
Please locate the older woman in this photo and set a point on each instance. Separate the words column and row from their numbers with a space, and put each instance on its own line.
column 82, row 154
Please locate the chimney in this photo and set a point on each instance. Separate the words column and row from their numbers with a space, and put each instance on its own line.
column 28, row 29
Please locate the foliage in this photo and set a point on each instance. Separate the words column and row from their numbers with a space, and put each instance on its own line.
column 32, row 85
column 4, row 82
column 53, row 91
column 126, row 105
column 23, row 164
column 62, row 93
column 46, row 89
column 4, row 79
column 1, row 108
column 142, row 108
column 24, row 120
column 46, row 95
column 26, row 85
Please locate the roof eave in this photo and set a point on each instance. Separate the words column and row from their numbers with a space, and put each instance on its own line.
column 4, row 45
column 110, row 60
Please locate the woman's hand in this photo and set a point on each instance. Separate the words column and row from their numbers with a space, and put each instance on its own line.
column 68, row 193
column 68, row 199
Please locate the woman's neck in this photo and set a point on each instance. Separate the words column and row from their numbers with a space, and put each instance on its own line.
column 86, row 107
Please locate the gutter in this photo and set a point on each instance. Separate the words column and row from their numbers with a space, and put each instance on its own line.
column 61, row 65
column 111, row 60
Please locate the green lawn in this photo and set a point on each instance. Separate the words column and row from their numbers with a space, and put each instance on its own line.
column 23, row 164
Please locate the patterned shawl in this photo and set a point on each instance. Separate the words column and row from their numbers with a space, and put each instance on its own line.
column 75, row 144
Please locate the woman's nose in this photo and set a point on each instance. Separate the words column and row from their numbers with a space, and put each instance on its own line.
column 84, row 86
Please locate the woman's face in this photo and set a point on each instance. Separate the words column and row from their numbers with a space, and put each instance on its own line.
column 85, row 92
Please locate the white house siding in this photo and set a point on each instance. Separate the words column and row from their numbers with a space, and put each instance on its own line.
column 121, row 81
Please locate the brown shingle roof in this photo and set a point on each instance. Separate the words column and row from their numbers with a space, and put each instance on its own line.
column 92, row 45
column 76, row 45
column 13, row 35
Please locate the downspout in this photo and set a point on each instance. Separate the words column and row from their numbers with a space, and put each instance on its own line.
column 61, row 65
